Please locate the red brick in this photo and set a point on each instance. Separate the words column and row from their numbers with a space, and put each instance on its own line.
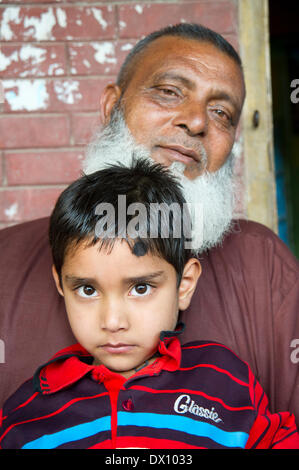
column 17, row 205
column 52, row 167
column 83, row 127
column 34, row 131
column 48, row 23
column 32, row 60
column 46, row 95
column 96, row 1
column 98, row 58
column 76, row 94
column 16, row 2
column 140, row 19
column 25, row 94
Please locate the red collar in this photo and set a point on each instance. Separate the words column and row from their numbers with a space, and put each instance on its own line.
column 68, row 366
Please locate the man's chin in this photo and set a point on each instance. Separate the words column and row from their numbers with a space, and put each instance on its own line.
column 211, row 202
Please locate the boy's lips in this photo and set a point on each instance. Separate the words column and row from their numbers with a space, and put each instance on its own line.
column 117, row 348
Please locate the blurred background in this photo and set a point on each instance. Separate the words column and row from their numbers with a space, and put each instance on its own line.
column 284, row 44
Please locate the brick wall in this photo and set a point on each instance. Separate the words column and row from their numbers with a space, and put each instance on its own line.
column 56, row 57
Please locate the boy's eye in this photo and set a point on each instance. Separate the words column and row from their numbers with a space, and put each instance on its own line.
column 141, row 289
column 87, row 291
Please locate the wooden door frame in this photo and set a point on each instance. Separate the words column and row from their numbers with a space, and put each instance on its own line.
column 257, row 121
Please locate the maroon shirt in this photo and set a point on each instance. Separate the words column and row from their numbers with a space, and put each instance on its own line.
column 247, row 298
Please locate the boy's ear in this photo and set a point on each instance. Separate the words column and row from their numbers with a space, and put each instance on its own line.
column 109, row 98
column 57, row 280
column 191, row 274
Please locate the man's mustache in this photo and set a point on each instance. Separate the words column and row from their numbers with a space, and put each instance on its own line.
column 189, row 148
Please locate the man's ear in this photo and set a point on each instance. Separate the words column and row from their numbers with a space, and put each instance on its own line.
column 57, row 281
column 191, row 274
column 109, row 98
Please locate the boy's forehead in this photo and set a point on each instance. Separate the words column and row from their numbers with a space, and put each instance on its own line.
column 88, row 246
column 118, row 258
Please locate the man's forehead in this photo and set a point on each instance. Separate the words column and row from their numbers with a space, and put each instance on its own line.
column 187, row 60
column 174, row 48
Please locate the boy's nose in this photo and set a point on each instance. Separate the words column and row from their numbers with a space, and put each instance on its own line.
column 114, row 317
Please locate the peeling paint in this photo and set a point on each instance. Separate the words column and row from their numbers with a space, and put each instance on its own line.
column 98, row 16
column 86, row 63
column 40, row 28
column 12, row 211
column 67, row 91
column 28, row 95
column 61, row 17
column 33, row 53
column 126, row 47
column 103, row 51
column 139, row 9
column 5, row 61
column 11, row 15
column 55, row 69
column 28, row 54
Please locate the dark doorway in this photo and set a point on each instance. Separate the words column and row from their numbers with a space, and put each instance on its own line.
column 284, row 46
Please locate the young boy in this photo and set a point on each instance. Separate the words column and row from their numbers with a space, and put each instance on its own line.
column 128, row 383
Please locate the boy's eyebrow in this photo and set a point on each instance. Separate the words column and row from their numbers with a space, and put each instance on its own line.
column 70, row 279
column 143, row 278
column 76, row 280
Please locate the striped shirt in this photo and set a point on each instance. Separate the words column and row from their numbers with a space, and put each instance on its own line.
column 200, row 395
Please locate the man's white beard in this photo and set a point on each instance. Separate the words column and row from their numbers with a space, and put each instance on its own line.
column 213, row 192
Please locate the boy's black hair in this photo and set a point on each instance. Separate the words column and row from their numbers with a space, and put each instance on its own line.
column 76, row 216
column 194, row 31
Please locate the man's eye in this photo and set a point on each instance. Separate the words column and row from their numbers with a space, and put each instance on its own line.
column 168, row 91
column 141, row 290
column 86, row 291
column 223, row 115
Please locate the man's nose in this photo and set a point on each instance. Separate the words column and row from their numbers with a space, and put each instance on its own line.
column 193, row 119
column 114, row 316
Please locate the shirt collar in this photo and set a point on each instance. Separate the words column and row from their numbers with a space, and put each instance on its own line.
column 71, row 364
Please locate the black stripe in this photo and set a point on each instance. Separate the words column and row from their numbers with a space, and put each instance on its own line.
column 263, row 434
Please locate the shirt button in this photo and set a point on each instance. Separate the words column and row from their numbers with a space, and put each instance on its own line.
column 128, row 405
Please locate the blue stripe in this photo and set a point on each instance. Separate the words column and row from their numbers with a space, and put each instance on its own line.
column 184, row 424
column 75, row 433
column 145, row 420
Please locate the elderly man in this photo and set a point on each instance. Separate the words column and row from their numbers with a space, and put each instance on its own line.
column 178, row 98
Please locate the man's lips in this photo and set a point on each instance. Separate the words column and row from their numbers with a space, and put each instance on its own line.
column 117, row 348
column 180, row 153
